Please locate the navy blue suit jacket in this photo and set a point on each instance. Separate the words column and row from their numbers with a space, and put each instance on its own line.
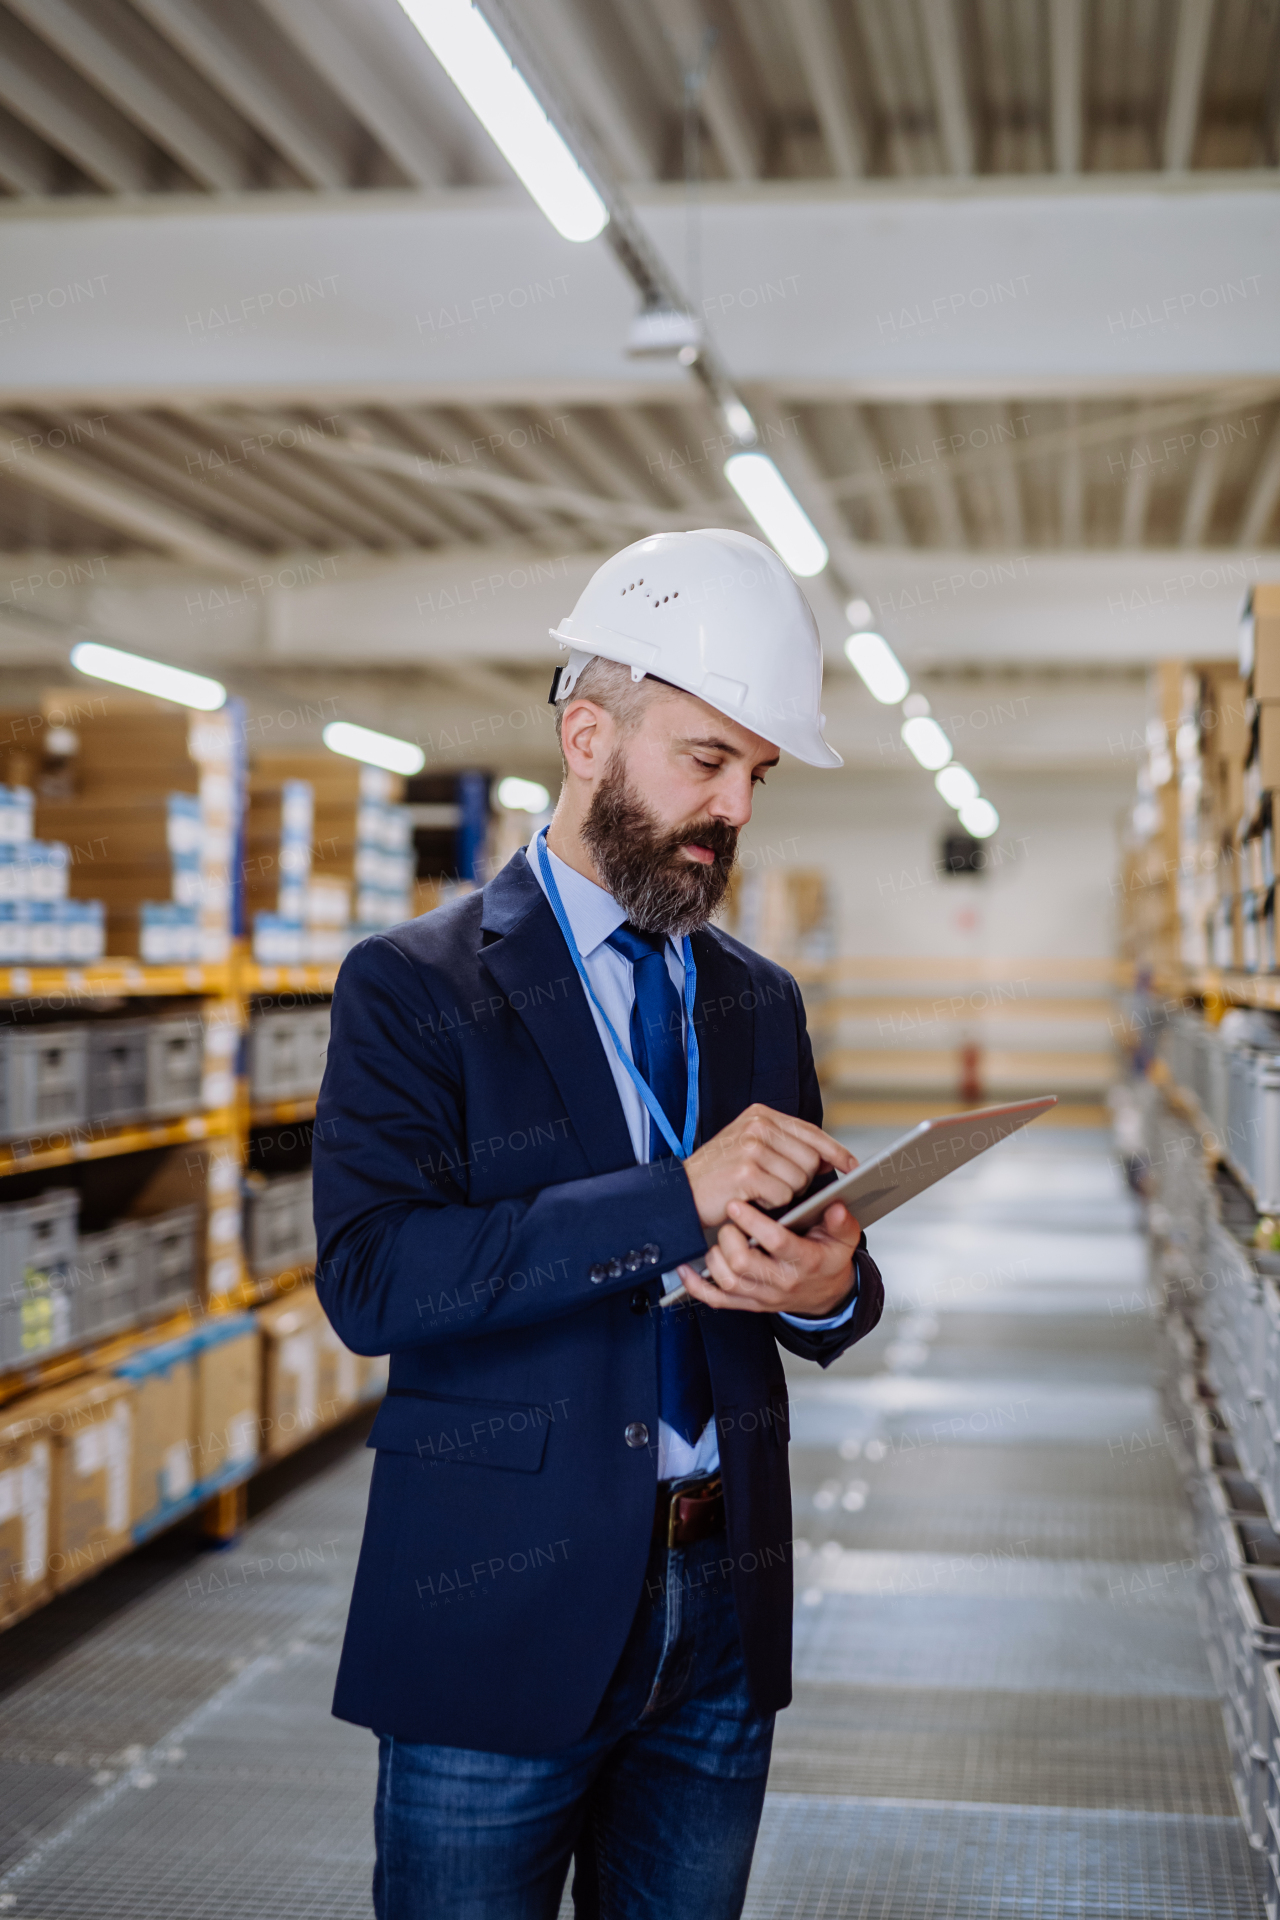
column 474, row 1179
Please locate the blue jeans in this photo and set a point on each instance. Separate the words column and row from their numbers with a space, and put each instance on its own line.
column 657, row 1804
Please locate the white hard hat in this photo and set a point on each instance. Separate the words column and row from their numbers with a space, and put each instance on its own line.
column 715, row 613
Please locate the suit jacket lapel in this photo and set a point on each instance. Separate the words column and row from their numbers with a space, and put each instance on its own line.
column 724, row 1019
column 531, row 965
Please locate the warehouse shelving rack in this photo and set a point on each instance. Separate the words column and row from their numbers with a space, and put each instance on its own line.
column 225, row 993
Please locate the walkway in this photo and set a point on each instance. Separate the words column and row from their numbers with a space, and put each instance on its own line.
column 1002, row 1706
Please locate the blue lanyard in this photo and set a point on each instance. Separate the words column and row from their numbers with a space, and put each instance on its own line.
column 681, row 1149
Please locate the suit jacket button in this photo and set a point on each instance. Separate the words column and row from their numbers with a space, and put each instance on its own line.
column 650, row 1252
column 633, row 1261
column 639, row 1301
column 613, row 1268
column 637, row 1434
column 596, row 1274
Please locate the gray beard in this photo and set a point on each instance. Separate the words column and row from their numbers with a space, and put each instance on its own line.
column 640, row 864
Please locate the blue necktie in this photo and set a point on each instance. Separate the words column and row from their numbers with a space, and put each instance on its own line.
column 658, row 1052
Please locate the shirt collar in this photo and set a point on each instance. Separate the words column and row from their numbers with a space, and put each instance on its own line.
column 592, row 913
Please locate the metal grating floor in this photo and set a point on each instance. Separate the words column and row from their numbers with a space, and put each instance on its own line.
column 827, row 1859
column 1002, row 1711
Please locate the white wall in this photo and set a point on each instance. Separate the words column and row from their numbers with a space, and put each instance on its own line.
column 1046, row 893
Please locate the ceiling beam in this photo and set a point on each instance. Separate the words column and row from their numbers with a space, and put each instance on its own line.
column 178, row 444
column 881, row 501
column 368, row 92
column 248, row 85
column 1206, row 477
column 26, row 164
column 1096, row 433
column 89, row 489
column 946, row 71
column 296, row 480
column 524, row 495
column 1111, row 607
column 158, row 99
column 1186, row 82
column 936, row 481
column 1264, row 492
column 722, row 109
column 72, row 116
column 823, row 65
column 822, row 290
column 1066, row 83
column 1071, row 482
column 631, row 139
column 1137, row 498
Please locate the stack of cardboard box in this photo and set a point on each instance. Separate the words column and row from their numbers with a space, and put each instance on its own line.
column 1214, row 932
column 362, row 862
column 151, row 824
column 1260, row 666
column 279, row 824
column 309, row 1379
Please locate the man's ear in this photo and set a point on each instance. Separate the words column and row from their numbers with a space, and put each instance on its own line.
column 586, row 738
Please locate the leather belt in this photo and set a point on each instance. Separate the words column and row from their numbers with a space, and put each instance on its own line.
column 688, row 1511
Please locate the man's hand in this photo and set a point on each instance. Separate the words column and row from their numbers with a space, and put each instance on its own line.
column 786, row 1273
column 763, row 1156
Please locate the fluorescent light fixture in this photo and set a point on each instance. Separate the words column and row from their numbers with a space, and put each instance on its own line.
column 660, row 331
column 927, row 741
column 956, row 785
column 979, row 818
column 776, row 511
column 858, row 613
column 914, row 705
column 375, row 749
column 523, row 796
column 500, row 97
column 739, row 422
column 878, row 667
column 148, row 676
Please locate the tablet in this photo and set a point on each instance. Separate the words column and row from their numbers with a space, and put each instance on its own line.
column 911, row 1165
column 915, row 1162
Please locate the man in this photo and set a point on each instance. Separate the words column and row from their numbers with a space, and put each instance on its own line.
column 572, row 1614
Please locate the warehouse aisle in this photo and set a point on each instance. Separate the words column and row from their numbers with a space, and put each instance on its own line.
column 1002, row 1704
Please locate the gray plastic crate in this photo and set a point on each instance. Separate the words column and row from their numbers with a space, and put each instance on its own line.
column 117, row 1070
column 110, row 1279
column 1255, row 1643
column 279, row 1232
column 37, row 1300
column 313, row 1046
column 1271, row 1805
column 172, row 1255
column 277, row 1055
column 47, row 1080
column 175, row 1065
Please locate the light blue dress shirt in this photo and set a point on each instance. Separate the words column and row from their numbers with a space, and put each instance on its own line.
column 594, row 915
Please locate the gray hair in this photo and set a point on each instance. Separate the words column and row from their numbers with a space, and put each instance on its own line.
column 608, row 684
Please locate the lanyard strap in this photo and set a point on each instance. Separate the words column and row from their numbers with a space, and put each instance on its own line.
column 680, row 1148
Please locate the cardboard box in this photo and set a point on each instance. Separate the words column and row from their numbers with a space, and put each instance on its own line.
column 1224, row 726
column 1267, row 758
column 374, row 1371
column 228, row 1384
column 89, row 1427
column 162, row 1376
column 26, row 1472
column 291, row 1346
column 341, row 1375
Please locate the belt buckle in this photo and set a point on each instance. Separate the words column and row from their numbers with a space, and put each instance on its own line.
column 707, row 1491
